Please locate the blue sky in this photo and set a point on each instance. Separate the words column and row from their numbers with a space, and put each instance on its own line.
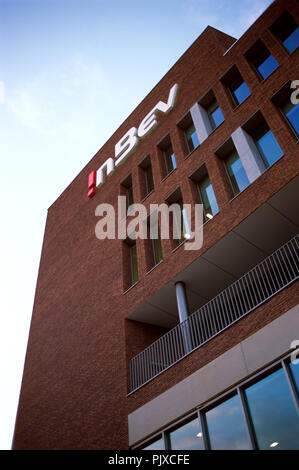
column 71, row 71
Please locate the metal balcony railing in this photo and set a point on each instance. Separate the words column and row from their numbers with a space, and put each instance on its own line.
column 267, row 278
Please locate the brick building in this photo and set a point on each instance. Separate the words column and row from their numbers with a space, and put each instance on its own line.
column 146, row 344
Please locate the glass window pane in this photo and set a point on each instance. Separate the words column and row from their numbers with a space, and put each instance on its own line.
column 216, row 117
column 130, row 199
column 226, row 426
column 237, row 174
column 291, row 112
column 267, row 66
column 157, row 250
column 187, row 437
column 134, row 264
column 169, row 160
column 273, row 413
column 295, row 373
column 269, row 148
column 149, row 181
column 192, row 139
column 208, row 198
column 156, row 445
column 292, row 41
column 241, row 92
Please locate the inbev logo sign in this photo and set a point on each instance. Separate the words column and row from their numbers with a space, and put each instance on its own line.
column 128, row 143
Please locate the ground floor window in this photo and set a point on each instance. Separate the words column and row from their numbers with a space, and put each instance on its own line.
column 261, row 413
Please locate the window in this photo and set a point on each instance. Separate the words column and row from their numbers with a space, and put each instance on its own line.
column 157, row 249
column 290, row 111
column 261, row 60
column 189, row 436
column 183, row 225
column 178, row 218
column 214, row 114
column 170, row 162
column 191, row 137
column 127, row 191
column 236, row 86
column 147, row 180
column 236, row 172
column 264, row 140
column 273, row 413
column 208, row 199
column 134, row 264
column 294, row 366
column 226, row 426
column 154, row 253
column 130, row 263
column 167, row 156
column 268, row 147
column 264, row 410
column 286, row 30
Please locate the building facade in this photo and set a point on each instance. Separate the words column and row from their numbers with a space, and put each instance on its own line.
column 148, row 344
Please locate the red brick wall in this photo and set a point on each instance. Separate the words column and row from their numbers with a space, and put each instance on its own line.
column 74, row 386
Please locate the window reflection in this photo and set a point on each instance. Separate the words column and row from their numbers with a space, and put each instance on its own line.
column 226, row 426
column 273, row 413
column 294, row 366
column 187, row 437
column 156, row 445
column 236, row 172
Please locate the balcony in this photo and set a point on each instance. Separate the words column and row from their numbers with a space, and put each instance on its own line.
column 266, row 279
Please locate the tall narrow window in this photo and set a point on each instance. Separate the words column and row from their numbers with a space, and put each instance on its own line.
column 179, row 220
column 130, row 263
column 236, row 172
column 211, row 111
column 208, row 199
column 155, row 242
column 166, row 156
column 237, row 87
column 127, row 191
column 183, row 225
column 146, row 176
column 134, row 264
column 191, row 137
column 130, row 199
column 157, row 249
column 149, row 180
column 286, row 30
column 261, row 60
column 169, row 157
column 215, row 115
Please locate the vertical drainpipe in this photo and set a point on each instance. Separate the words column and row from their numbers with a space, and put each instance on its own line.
column 182, row 305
